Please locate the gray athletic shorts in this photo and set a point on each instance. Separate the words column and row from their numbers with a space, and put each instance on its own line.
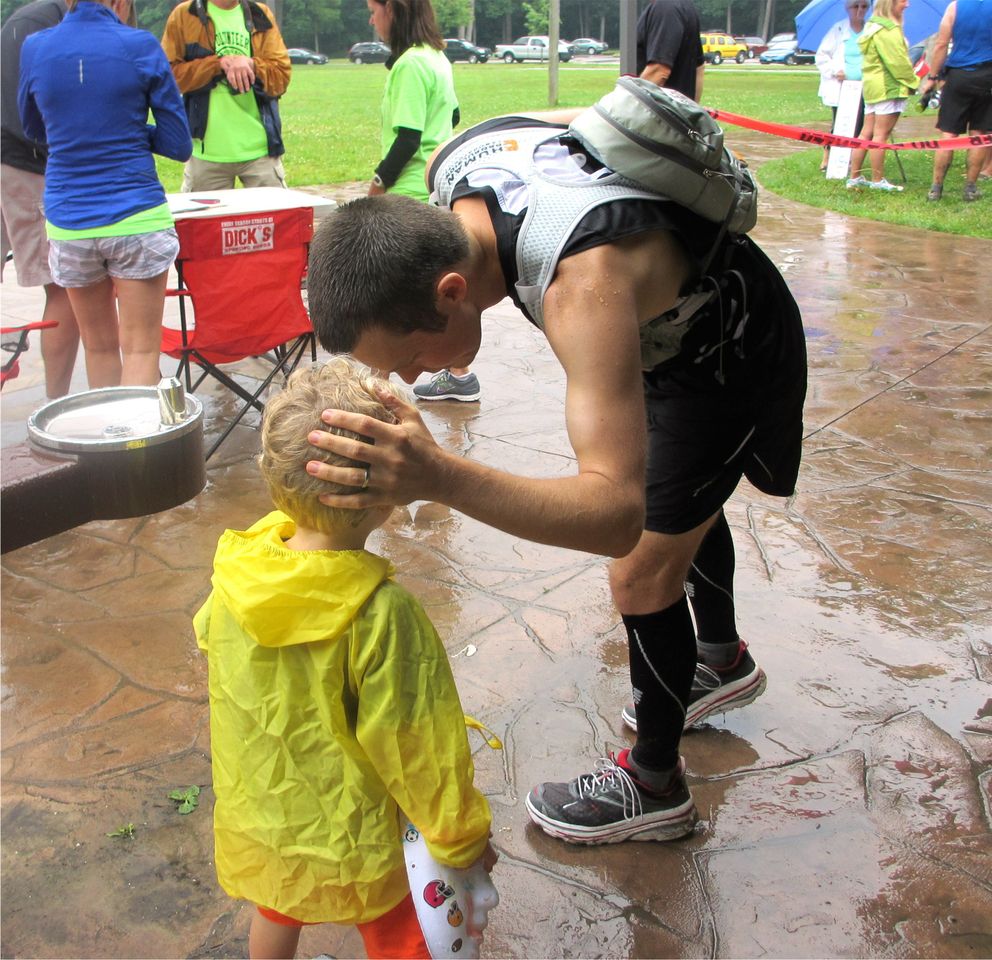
column 80, row 263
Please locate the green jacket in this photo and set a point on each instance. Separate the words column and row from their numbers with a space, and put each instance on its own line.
column 332, row 707
column 887, row 73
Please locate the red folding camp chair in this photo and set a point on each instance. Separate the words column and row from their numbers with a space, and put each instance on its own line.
column 243, row 273
column 15, row 342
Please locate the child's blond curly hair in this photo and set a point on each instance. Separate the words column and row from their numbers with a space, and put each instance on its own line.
column 292, row 414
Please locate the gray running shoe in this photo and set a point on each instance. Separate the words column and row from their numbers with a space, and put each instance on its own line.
column 936, row 191
column 610, row 805
column 717, row 691
column 446, row 386
column 971, row 192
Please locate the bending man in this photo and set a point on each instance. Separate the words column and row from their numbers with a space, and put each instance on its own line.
column 676, row 387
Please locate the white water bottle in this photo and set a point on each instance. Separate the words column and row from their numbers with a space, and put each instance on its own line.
column 452, row 905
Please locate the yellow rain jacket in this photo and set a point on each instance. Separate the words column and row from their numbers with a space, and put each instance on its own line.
column 332, row 706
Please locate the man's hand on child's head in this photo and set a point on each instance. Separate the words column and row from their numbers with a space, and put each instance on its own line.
column 403, row 457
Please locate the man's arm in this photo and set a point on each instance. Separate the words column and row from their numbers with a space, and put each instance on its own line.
column 657, row 73
column 592, row 313
column 191, row 74
column 272, row 66
column 939, row 55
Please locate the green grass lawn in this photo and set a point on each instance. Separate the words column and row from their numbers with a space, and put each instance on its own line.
column 331, row 128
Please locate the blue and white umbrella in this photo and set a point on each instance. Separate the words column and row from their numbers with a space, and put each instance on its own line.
column 922, row 17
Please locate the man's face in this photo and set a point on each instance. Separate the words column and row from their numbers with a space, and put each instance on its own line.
column 412, row 354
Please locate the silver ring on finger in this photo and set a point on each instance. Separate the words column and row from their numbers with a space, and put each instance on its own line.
column 365, row 482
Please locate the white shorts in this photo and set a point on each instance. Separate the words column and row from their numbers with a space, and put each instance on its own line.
column 886, row 106
column 22, row 220
column 80, row 263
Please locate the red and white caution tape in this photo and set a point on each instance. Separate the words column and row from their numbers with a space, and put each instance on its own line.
column 820, row 138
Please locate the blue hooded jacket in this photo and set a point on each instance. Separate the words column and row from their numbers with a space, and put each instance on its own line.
column 86, row 88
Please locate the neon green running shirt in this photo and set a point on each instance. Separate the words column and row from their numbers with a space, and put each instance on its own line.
column 234, row 129
column 420, row 95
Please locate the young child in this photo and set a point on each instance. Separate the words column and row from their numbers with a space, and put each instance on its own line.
column 332, row 705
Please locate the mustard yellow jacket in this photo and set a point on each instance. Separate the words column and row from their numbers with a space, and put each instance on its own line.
column 332, row 707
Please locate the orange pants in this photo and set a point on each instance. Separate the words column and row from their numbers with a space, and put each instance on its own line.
column 396, row 935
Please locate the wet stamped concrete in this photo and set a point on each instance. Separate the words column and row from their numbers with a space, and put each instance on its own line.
column 845, row 813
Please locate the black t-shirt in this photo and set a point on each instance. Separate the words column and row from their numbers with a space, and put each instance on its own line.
column 668, row 33
column 16, row 150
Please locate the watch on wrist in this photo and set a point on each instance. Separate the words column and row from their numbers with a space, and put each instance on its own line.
column 377, row 181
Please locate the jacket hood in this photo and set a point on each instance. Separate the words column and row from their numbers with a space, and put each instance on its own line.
column 281, row 597
column 876, row 25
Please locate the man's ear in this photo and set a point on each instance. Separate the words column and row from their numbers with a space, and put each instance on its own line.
column 451, row 290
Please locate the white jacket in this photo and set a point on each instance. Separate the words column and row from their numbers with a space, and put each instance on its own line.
column 830, row 61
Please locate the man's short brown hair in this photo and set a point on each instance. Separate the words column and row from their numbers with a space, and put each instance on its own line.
column 289, row 418
column 375, row 262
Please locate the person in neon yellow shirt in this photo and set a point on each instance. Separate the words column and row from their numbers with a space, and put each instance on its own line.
column 231, row 65
column 332, row 704
column 419, row 112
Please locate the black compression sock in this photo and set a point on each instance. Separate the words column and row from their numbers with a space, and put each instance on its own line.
column 662, row 664
column 710, row 588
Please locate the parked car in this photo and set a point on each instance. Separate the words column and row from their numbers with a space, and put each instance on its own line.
column 455, row 49
column 718, row 47
column 587, row 45
column 530, row 48
column 787, row 51
column 369, row 51
column 755, row 46
column 302, row 55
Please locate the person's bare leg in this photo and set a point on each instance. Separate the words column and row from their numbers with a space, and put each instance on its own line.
column 942, row 161
column 978, row 159
column 141, row 304
column 268, row 940
column 60, row 344
column 96, row 313
column 885, row 123
column 652, row 576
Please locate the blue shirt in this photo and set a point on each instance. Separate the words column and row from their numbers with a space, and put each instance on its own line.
column 972, row 34
column 852, row 58
column 86, row 87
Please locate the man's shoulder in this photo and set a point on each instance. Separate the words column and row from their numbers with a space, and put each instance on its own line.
column 39, row 14
column 184, row 9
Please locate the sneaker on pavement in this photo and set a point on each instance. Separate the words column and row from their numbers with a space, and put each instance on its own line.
column 446, row 386
column 856, row 183
column 884, row 184
column 610, row 805
column 936, row 191
column 971, row 192
column 717, row 691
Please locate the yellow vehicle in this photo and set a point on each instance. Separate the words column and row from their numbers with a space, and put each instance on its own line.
column 718, row 47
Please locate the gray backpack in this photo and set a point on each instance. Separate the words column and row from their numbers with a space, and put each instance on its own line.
column 669, row 145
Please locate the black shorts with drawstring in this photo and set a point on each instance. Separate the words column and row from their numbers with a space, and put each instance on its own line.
column 966, row 100
column 731, row 404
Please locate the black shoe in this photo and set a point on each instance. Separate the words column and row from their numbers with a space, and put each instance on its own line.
column 717, row 691
column 936, row 191
column 610, row 805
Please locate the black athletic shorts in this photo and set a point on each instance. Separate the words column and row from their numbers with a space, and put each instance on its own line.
column 736, row 409
column 966, row 100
